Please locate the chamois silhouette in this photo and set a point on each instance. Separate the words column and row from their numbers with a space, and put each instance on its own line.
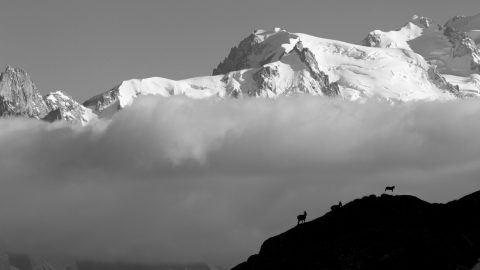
column 301, row 218
column 390, row 188
column 336, row 207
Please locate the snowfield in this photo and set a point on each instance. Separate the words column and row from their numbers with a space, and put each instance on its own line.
column 274, row 69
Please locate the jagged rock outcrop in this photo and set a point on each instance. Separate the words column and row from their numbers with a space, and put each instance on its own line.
column 265, row 79
column 19, row 96
column 386, row 232
column 253, row 51
column 307, row 57
column 464, row 46
column 63, row 107
column 102, row 101
column 436, row 78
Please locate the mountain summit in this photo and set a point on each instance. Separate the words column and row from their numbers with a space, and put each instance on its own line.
column 276, row 63
column 452, row 48
column 385, row 232
column 19, row 96
column 422, row 60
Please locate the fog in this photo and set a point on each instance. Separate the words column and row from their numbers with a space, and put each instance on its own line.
column 181, row 180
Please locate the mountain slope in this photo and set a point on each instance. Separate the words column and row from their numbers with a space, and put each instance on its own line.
column 386, row 232
column 297, row 72
column 277, row 63
column 20, row 97
column 63, row 107
column 451, row 48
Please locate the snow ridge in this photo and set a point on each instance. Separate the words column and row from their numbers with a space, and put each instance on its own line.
column 453, row 49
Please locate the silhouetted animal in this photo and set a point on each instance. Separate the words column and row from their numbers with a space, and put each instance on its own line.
column 336, row 207
column 301, row 218
column 390, row 188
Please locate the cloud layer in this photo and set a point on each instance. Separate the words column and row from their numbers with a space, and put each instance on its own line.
column 186, row 180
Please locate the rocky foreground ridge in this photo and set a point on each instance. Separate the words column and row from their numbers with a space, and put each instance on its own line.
column 380, row 232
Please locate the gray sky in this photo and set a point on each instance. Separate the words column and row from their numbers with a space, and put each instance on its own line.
column 86, row 47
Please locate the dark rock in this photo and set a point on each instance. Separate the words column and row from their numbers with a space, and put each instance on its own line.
column 386, row 232
column 437, row 79
column 102, row 101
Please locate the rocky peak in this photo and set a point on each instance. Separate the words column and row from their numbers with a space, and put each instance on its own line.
column 102, row 101
column 259, row 48
column 463, row 45
column 308, row 58
column 63, row 107
column 421, row 21
column 19, row 96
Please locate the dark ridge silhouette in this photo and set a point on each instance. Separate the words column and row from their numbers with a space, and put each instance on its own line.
column 386, row 232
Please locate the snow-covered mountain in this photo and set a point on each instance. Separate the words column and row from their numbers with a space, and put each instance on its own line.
column 451, row 48
column 278, row 63
column 20, row 97
column 63, row 107
column 420, row 61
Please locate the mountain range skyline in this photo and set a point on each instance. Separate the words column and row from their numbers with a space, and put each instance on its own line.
column 88, row 47
column 176, row 167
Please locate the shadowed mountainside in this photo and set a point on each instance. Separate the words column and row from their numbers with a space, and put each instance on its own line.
column 386, row 232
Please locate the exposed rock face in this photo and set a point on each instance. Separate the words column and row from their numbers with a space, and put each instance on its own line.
column 386, row 232
column 373, row 39
column 254, row 52
column 103, row 101
column 307, row 57
column 453, row 47
column 436, row 78
column 265, row 78
column 464, row 46
column 63, row 107
column 422, row 21
column 19, row 96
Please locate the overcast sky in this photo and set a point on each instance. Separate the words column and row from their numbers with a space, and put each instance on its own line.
column 199, row 180
column 86, row 47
